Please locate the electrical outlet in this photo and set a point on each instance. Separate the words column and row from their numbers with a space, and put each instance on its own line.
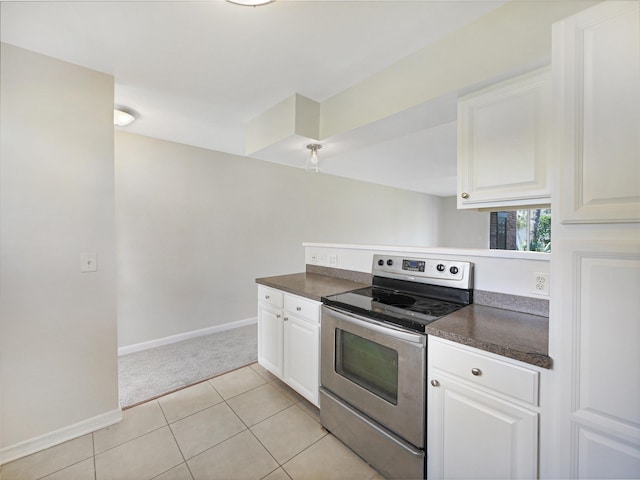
column 314, row 259
column 540, row 283
column 333, row 260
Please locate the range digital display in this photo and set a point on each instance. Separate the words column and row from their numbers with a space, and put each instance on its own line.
column 413, row 265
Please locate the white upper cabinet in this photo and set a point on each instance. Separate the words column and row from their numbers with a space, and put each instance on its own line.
column 504, row 144
column 597, row 97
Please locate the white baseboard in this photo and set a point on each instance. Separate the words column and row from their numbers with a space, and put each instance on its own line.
column 22, row 449
column 138, row 347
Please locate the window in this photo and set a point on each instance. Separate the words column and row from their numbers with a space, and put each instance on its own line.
column 523, row 230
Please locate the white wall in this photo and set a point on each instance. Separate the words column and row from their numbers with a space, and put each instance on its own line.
column 462, row 228
column 57, row 326
column 499, row 271
column 196, row 227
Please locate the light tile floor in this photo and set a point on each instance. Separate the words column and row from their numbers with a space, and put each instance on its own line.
column 245, row 424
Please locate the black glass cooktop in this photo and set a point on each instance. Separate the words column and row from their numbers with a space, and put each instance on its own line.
column 407, row 309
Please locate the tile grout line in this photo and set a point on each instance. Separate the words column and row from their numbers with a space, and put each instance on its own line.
column 254, row 436
column 247, row 427
column 219, row 443
column 177, row 444
column 295, row 401
column 66, row 466
column 223, row 400
column 133, row 438
column 267, row 382
column 294, row 404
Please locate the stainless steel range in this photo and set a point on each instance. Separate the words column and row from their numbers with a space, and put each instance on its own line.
column 374, row 358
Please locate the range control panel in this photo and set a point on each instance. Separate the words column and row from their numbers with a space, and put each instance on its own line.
column 424, row 270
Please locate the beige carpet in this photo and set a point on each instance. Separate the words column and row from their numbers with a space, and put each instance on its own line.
column 151, row 373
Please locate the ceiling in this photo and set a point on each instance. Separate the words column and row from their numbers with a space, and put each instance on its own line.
column 197, row 72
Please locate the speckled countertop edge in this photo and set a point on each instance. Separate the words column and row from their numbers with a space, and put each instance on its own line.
column 515, row 335
column 310, row 285
column 537, row 359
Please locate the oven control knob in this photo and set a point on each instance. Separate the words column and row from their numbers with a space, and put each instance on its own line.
column 381, row 262
column 440, row 267
column 389, row 262
column 453, row 270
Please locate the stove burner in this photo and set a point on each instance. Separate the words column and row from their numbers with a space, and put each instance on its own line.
column 393, row 299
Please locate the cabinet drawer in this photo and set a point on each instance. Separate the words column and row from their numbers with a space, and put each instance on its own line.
column 302, row 308
column 270, row 296
column 480, row 369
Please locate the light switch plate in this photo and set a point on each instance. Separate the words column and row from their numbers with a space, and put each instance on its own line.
column 88, row 262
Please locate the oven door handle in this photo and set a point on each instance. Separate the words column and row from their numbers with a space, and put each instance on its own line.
column 378, row 327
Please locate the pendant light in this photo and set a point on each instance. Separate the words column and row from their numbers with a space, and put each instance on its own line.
column 313, row 161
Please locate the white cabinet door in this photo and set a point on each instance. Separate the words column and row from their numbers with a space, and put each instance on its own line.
column 594, row 320
column 599, row 281
column 475, row 435
column 504, row 144
column 270, row 331
column 596, row 69
column 301, row 353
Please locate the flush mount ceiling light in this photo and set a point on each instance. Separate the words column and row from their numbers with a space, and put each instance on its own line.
column 122, row 118
column 250, row 3
column 312, row 161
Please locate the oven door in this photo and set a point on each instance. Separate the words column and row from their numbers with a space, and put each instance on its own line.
column 378, row 369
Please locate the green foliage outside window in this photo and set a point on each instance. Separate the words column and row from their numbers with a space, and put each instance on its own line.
column 534, row 230
column 523, row 230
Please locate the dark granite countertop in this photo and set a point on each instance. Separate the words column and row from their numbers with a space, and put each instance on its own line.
column 310, row 285
column 512, row 334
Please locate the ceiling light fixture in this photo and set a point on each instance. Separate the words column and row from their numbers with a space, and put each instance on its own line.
column 122, row 118
column 312, row 161
column 250, row 3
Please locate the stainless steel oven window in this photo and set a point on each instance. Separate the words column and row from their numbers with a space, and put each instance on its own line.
column 368, row 364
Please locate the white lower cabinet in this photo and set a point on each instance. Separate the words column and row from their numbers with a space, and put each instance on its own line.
column 301, row 356
column 289, row 339
column 482, row 419
column 270, row 337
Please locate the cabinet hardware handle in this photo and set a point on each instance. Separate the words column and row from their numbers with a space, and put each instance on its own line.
column 435, row 383
column 267, row 297
column 476, row 372
column 286, row 319
column 298, row 308
column 277, row 315
column 464, row 195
